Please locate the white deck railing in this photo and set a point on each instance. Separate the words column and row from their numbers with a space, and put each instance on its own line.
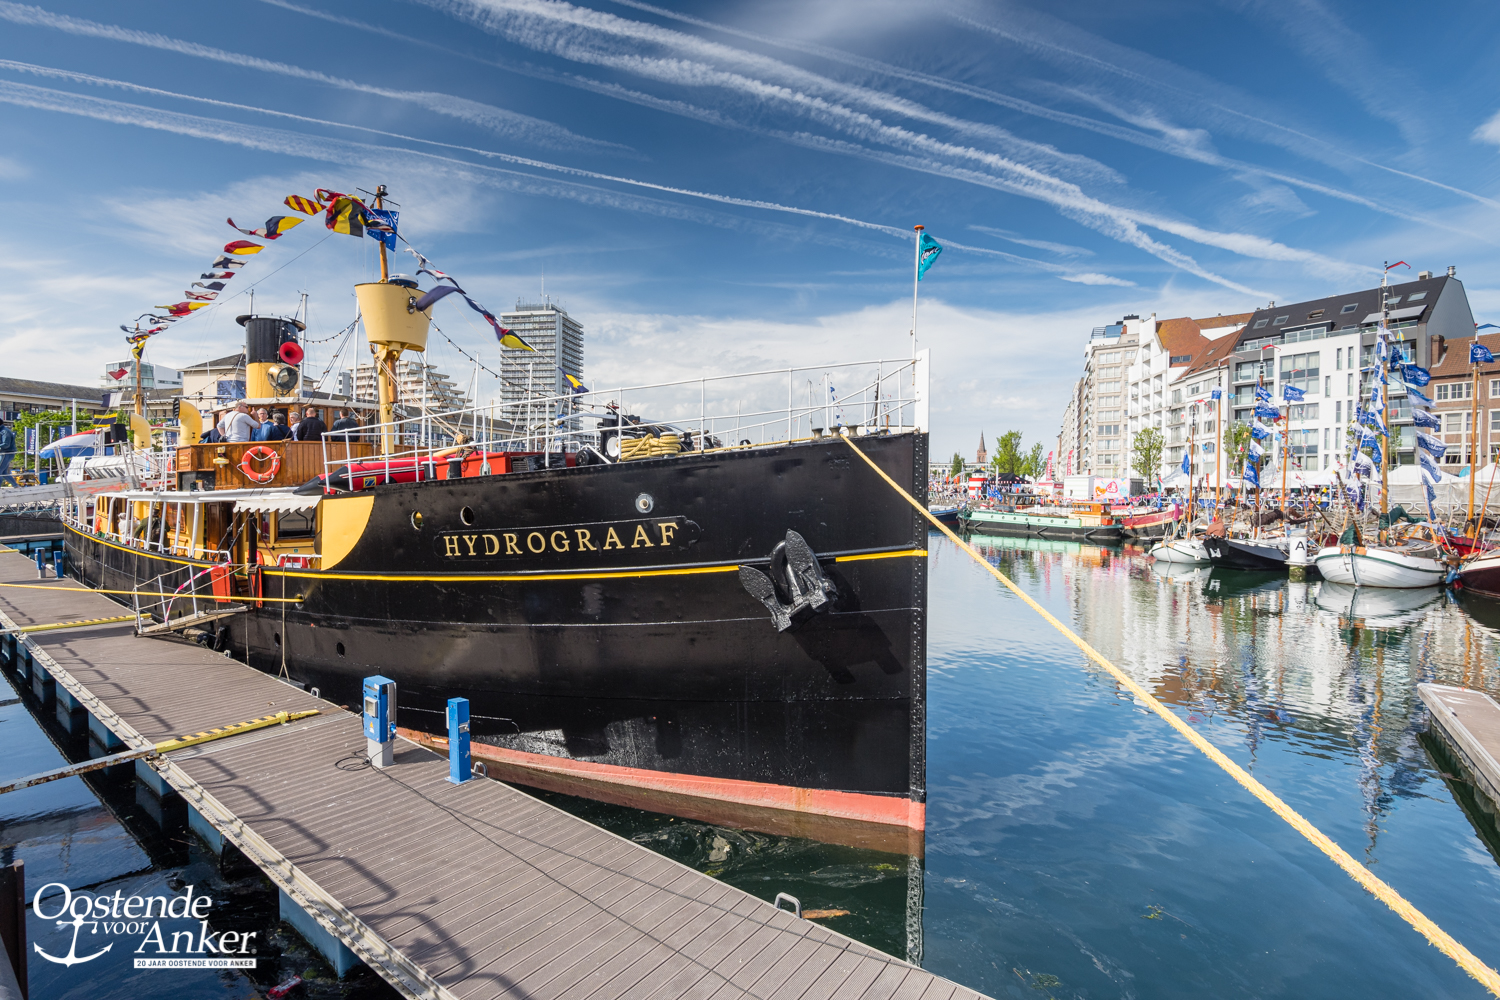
column 712, row 413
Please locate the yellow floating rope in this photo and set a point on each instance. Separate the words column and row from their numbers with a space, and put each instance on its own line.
column 1435, row 935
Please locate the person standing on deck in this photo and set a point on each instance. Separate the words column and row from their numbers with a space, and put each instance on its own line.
column 311, row 428
column 346, row 422
column 278, row 430
column 238, row 425
column 7, row 452
column 263, row 424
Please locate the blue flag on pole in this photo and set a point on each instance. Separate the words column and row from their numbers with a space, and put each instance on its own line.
column 1252, row 478
column 1261, row 392
column 1478, row 355
column 1425, row 418
column 1267, row 411
column 927, row 252
column 1216, row 394
column 1415, row 375
column 1259, row 430
column 1418, row 397
column 1292, row 394
column 1187, row 463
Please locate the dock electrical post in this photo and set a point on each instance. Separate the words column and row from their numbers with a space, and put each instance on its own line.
column 380, row 719
column 460, row 764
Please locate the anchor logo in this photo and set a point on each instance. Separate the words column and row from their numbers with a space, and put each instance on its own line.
column 72, row 957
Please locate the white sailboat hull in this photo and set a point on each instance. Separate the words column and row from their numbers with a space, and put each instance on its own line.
column 1180, row 550
column 1379, row 567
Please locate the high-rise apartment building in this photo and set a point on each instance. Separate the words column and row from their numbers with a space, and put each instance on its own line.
column 558, row 339
column 418, row 386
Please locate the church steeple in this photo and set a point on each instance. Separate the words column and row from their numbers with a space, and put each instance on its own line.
column 983, row 455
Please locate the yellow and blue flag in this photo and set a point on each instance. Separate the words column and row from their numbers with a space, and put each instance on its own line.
column 274, row 228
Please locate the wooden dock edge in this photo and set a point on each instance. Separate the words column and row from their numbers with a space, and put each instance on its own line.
column 405, row 977
column 1482, row 767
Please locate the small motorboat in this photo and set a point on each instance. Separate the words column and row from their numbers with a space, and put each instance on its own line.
column 1246, row 553
column 1408, row 561
column 947, row 514
column 1481, row 574
column 1179, row 546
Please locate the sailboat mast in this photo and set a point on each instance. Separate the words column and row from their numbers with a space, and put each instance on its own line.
column 1192, row 430
column 1385, row 452
column 1473, row 531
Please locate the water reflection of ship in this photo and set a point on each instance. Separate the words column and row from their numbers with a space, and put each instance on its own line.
column 1221, row 583
column 1376, row 607
column 1484, row 610
column 1181, row 572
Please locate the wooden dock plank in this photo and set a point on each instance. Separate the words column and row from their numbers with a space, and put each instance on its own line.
column 485, row 889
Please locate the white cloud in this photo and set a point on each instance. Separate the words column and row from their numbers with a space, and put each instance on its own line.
column 1490, row 131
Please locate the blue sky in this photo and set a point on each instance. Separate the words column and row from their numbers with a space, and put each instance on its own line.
column 713, row 187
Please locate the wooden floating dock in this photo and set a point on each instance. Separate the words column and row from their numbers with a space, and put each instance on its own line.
column 1469, row 723
column 465, row 891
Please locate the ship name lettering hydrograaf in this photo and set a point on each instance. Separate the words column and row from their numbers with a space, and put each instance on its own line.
column 567, row 539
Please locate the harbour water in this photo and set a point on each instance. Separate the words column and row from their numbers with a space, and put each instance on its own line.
column 1077, row 847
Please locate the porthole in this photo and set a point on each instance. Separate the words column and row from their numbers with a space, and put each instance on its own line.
column 339, row 648
column 466, row 515
column 644, row 503
column 416, row 519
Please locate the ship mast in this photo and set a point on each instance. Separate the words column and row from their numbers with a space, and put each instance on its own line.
column 1473, row 531
column 393, row 324
column 1385, row 407
column 386, row 356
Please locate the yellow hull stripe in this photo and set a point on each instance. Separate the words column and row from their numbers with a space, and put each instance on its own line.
column 904, row 553
column 491, row 577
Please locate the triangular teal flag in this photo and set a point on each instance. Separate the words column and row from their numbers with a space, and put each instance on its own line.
column 927, row 252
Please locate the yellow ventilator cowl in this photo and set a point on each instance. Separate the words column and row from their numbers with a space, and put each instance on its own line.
column 390, row 316
column 140, row 431
column 190, row 421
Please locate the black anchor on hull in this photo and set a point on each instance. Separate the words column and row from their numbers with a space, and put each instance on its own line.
column 795, row 575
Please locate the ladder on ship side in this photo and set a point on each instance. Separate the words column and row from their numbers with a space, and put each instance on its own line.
column 175, row 601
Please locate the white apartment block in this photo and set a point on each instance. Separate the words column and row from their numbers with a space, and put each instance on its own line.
column 1325, row 347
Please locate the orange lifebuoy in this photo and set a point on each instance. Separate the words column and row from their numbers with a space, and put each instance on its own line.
column 260, row 453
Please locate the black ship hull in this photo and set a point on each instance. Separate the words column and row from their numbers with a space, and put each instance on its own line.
column 595, row 619
column 1242, row 553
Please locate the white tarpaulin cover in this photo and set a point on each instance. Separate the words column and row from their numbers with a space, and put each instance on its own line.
column 279, row 502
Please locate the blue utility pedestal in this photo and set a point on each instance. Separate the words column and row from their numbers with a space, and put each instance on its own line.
column 380, row 719
column 460, row 766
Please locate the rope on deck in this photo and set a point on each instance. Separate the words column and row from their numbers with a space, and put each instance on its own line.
column 1435, row 935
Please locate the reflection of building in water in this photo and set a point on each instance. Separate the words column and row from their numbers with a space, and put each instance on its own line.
column 1270, row 658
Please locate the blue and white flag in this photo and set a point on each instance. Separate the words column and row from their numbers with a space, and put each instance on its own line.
column 1418, row 397
column 1377, row 400
column 1375, row 453
column 1363, row 464
column 1429, row 467
column 1431, row 443
column 1267, row 411
column 1261, row 392
column 380, row 224
column 1382, row 349
column 1425, row 418
column 1478, row 355
column 927, row 253
column 1259, row 430
column 1431, row 496
column 1251, row 477
column 1254, row 450
column 1292, row 394
column 1217, row 394
column 1415, row 375
column 1187, row 463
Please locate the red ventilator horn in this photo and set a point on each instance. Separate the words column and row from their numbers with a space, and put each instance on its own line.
column 291, row 353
